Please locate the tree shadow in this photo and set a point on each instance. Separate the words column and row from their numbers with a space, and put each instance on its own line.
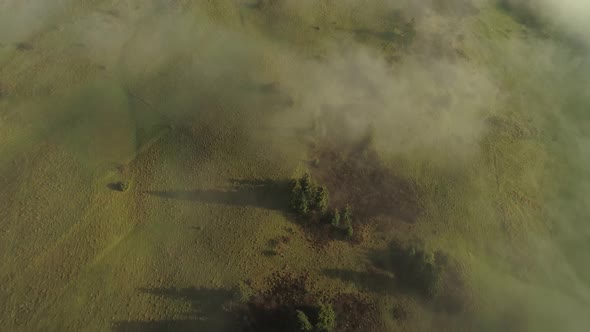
column 400, row 269
column 114, row 186
column 388, row 273
column 207, row 311
column 266, row 194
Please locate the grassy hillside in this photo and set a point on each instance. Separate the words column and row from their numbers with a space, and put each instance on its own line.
column 452, row 125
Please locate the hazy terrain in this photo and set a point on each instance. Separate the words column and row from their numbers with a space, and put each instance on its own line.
column 476, row 113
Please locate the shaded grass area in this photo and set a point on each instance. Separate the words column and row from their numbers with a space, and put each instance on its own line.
column 411, row 271
column 207, row 311
column 266, row 194
column 274, row 306
column 358, row 178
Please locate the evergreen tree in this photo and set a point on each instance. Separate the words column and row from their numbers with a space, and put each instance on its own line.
column 308, row 186
column 326, row 318
column 322, row 199
column 303, row 323
column 335, row 218
column 349, row 230
column 347, row 219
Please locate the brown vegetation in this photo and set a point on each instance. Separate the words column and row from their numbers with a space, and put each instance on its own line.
column 289, row 301
column 355, row 175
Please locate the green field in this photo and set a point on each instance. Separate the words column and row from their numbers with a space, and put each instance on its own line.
column 478, row 133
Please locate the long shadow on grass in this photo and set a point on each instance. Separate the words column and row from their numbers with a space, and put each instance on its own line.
column 206, row 313
column 387, row 275
column 399, row 270
column 267, row 194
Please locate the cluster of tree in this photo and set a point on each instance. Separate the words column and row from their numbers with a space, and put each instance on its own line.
column 420, row 269
column 290, row 303
column 342, row 222
column 309, row 200
column 307, row 197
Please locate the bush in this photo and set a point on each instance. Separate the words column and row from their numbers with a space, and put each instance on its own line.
column 122, row 185
column 299, row 201
column 326, row 318
column 322, row 199
column 307, row 185
column 303, row 323
column 347, row 219
column 335, row 218
column 349, row 230
column 307, row 197
column 243, row 292
column 347, row 215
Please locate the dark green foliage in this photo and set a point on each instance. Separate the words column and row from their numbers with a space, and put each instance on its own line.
column 306, row 197
column 349, row 230
column 122, row 185
column 303, row 207
column 299, row 201
column 347, row 215
column 303, row 323
column 335, row 218
column 307, row 185
column 326, row 318
column 347, row 220
column 419, row 269
column 322, row 199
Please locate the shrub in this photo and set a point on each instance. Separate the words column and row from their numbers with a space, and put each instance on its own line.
column 347, row 219
column 122, row 185
column 303, row 323
column 307, row 185
column 243, row 292
column 347, row 215
column 326, row 318
column 349, row 230
column 299, row 201
column 335, row 218
column 322, row 199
